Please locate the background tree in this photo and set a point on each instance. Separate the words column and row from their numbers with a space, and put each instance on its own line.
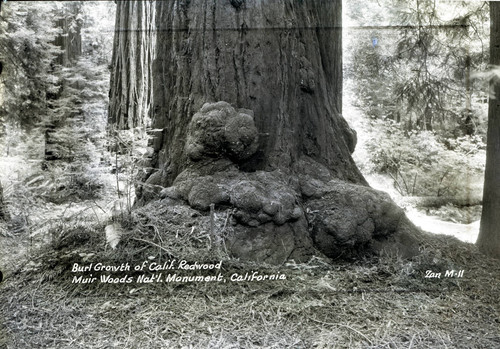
column 249, row 98
column 4, row 215
column 417, row 71
column 77, row 118
column 407, row 73
column 28, row 49
column 61, row 62
column 133, row 54
column 489, row 235
column 70, row 22
column 62, row 105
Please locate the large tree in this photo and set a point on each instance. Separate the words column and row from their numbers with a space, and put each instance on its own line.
column 133, row 53
column 249, row 97
column 489, row 233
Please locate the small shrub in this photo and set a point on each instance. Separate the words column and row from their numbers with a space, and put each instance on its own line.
column 421, row 165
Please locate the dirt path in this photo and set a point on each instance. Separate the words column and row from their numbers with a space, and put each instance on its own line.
column 463, row 232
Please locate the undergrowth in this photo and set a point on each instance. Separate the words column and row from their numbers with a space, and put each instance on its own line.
column 421, row 164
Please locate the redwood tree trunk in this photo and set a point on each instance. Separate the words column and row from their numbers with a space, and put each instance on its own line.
column 489, row 234
column 248, row 96
column 281, row 59
column 133, row 52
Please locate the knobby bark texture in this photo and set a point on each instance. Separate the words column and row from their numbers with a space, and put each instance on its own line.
column 133, row 54
column 280, row 59
column 489, row 232
column 248, row 95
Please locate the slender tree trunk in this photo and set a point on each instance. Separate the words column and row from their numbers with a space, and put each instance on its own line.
column 70, row 40
column 4, row 214
column 489, row 233
column 133, row 54
column 70, row 43
column 248, row 95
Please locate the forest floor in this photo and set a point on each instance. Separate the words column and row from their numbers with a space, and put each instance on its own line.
column 378, row 302
column 35, row 221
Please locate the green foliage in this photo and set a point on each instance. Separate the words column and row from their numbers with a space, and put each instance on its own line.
column 51, row 107
column 78, row 140
column 421, row 165
column 72, row 233
column 416, row 67
column 97, row 32
column 28, row 52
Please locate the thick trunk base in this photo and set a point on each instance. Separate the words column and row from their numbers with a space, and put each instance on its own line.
column 277, row 215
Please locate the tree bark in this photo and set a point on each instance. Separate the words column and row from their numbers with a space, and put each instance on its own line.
column 488, row 240
column 70, row 40
column 248, row 95
column 70, row 43
column 4, row 214
column 133, row 53
column 281, row 59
